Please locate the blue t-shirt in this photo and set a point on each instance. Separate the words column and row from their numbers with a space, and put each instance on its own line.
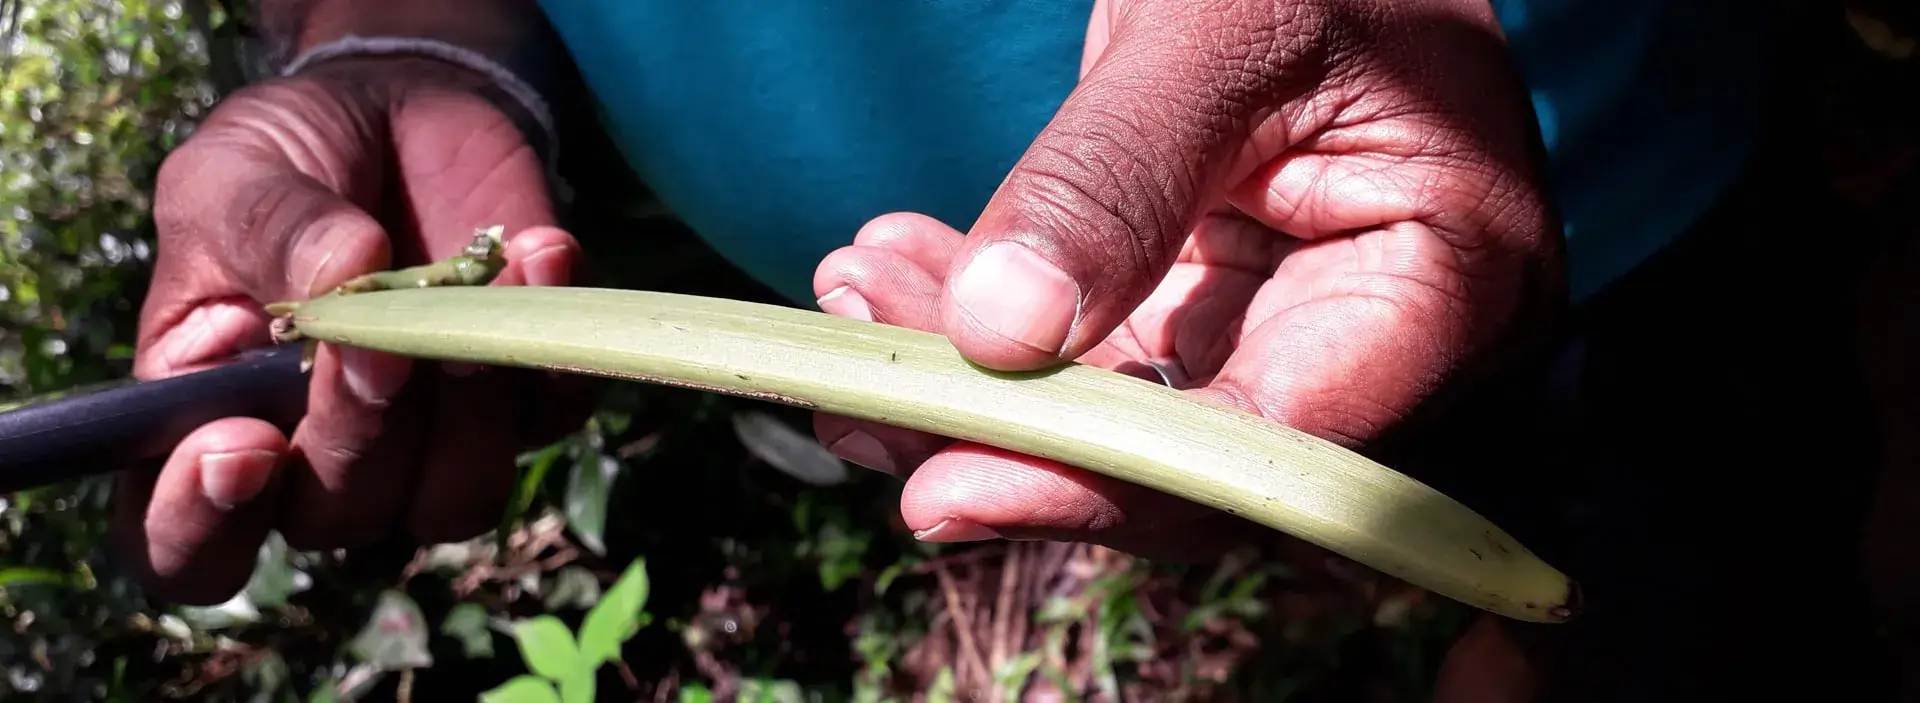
column 776, row 129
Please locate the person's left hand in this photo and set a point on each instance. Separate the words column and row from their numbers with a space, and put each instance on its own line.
column 1319, row 212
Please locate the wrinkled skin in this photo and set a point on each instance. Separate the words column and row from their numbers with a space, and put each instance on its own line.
column 290, row 188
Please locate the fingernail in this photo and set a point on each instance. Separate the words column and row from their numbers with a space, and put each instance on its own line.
column 231, row 479
column 371, row 377
column 861, row 448
column 1010, row 291
column 956, row 530
column 847, row 302
column 313, row 259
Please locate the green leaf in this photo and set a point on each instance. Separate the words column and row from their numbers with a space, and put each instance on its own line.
column 884, row 581
column 274, row 577
column 30, row 576
column 696, row 693
column 616, row 617
column 793, row 452
column 549, row 650
column 1013, row 675
column 522, row 689
column 586, row 504
column 467, row 622
column 536, row 465
column 547, row 647
column 577, row 687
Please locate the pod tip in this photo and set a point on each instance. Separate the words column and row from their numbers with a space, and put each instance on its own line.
column 1571, row 607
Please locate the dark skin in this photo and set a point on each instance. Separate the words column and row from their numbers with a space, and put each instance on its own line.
column 1289, row 205
column 1317, row 212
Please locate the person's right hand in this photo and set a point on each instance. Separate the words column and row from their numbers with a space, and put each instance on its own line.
column 289, row 188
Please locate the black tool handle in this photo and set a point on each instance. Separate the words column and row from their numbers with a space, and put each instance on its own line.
column 121, row 426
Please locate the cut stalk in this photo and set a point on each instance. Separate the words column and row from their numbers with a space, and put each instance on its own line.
column 1079, row 415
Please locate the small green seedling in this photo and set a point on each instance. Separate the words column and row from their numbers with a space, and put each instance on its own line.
column 563, row 667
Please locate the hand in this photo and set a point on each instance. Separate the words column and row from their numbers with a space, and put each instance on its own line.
column 288, row 189
column 1318, row 212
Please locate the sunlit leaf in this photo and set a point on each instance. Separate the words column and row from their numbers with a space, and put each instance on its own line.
column 30, row 575
column 522, row 689
column 1013, row 675
column 547, row 646
column 617, row 617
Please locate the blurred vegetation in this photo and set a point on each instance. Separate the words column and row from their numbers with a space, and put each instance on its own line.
column 790, row 581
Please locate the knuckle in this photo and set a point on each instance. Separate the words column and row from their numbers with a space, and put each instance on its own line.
column 264, row 166
column 1247, row 48
column 1089, row 188
column 179, row 205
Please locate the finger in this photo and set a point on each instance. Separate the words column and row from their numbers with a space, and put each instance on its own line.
column 236, row 230
column 970, row 492
column 240, row 220
column 347, row 484
column 209, row 334
column 882, row 284
column 542, row 256
column 1195, row 318
column 465, row 165
column 357, row 449
column 1099, row 31
column 1485, row 665
column 877, row 285
column 1356, row 352
column 895, row 451
column 536, row 256
column 1095, row 212
column 923, row 241
column 468, row 473
column 559, row 402
column 192, row 530
column 241, row 214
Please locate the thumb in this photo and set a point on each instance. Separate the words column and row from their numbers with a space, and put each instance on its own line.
column 1096, row 211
